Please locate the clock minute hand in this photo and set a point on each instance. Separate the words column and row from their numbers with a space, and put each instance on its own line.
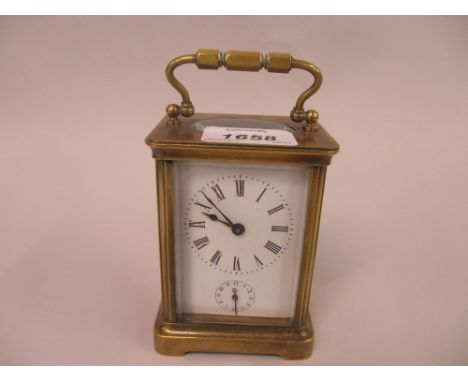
column 214, row 205
column 237, row 229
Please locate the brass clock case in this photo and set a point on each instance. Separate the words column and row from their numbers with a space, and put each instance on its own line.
column 175, row 139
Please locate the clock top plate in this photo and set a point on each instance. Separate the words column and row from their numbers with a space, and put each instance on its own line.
column 184, row 141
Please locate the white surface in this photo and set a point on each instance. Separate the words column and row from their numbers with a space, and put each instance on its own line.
column 275, row 282
column 243, row 135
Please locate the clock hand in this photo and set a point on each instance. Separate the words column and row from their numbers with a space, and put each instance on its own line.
column 237, row 228
column 214, row 205
column 215, row 219
column 235, row 297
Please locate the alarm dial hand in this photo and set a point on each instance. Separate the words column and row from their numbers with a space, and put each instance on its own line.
column 235, row 297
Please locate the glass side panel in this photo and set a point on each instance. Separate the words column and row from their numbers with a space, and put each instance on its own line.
column 249, row 123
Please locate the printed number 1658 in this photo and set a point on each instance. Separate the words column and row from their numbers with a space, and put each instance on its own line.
column 251, row 137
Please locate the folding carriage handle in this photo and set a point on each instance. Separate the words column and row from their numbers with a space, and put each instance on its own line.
column 274, row 62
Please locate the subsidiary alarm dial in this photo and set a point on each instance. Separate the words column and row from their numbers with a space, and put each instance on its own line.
column 235, row 296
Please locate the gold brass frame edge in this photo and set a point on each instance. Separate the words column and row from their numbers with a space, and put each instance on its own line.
column 224, row 319
column 288, row 342
column 233, row 155
column 316, row 188
column 184, row 142
column 164, row 171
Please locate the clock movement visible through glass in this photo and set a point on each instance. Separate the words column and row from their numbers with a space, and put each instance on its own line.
column 239, row 235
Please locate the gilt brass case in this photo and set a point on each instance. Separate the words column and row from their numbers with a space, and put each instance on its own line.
column 175, row 139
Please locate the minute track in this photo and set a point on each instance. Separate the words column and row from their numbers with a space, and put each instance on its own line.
column 261, row 208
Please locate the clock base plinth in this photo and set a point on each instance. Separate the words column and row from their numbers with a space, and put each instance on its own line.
column 288, row 342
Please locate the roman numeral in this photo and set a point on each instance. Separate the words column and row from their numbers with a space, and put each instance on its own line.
column 261, row 194
column 202, row 205
column 202, row 242
column 239, row 187
column 276, row 209
column 257, row 260
column 279, row 228
column 275, row 248
column 218, row 192
column 216, row 257
column 197, row 224
column 236, row 266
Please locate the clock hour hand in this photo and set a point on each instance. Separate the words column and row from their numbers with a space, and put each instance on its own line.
column 215, row 206
column 215, row 219
column 237, row 228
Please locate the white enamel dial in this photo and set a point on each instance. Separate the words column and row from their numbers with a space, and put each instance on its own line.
column 238, row 223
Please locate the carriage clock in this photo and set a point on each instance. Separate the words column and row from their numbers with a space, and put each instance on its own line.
column 239, row 200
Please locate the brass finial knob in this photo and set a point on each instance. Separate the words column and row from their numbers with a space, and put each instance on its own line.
column 312, row 117
column 172, row 111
